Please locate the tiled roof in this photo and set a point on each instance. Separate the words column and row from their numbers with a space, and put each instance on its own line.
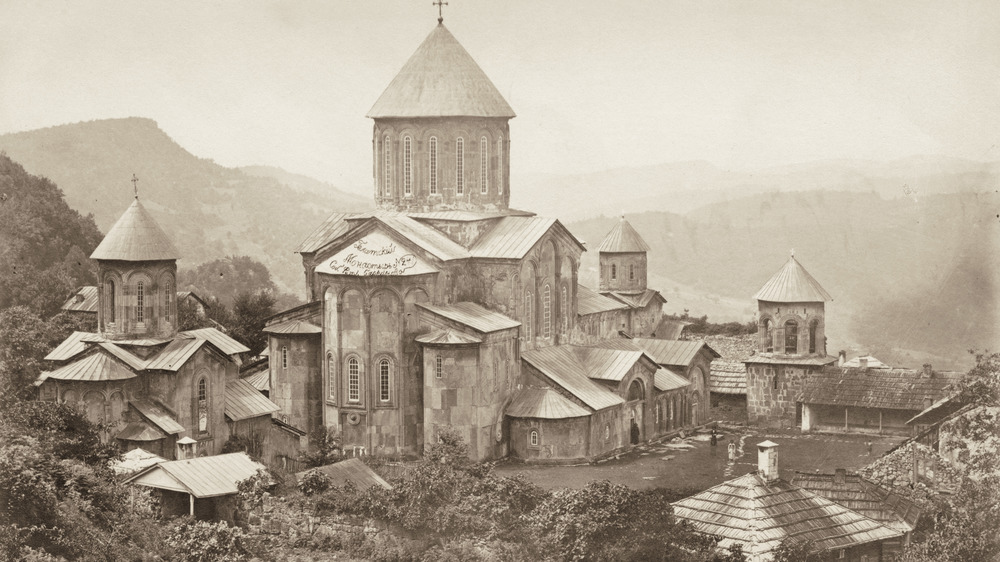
column 135, row 237
column 83, row 300
column 792, row 283
column 224, row 343
column 562, row 365
column 158, row 415
column 896, row 389
column 472, row 315
column 335, row 226
column 353, row 470
column 441, row 79
column 97, row 366
column 728, row 377
column 293, row 327
column 244, row 401
column 543, row 403
column 623, row 239
column 512, row 237
column 448, row 336
column 667, row 379
column 758, row 515
column 70, row 347
column 673, row 352
column 589, row 301
column 202, row 477
column 863, row 496
column 781, row 359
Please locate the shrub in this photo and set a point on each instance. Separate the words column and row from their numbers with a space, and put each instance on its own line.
column 314, row 481
column 203, row 541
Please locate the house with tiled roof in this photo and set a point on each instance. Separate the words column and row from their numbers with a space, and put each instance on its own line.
column 153, row 386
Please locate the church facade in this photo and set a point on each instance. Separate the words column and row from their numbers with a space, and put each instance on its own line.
column 437, row 309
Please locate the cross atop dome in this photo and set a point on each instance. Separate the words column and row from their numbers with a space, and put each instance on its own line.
column 439, row 4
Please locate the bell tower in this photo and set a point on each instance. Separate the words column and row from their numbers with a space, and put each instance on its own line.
column 791, row 312
column 622, row 256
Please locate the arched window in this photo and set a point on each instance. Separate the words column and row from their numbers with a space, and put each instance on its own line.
column 140, row 302
column 546, row 313
column 533, row 438
column 813, row 326
column 791, row 337
column 460, row 166
column 383, row 380
column 614, row 271
column 766, row 335
column 353, row 380
column 202, row 406
column 284, row 357
column 438, row 367
column 407, row 167
column 607, row 431
column 332, row 375
column 168, row 294
column 500, row 165
column 386, row 166
column 635, row 390
column 564, row 310
column 432, row 158
column 528, row 315
column 111, row 301
column 484, row 166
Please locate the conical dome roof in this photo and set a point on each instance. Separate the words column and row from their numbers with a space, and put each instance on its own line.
column 135, row 237
column 441, row 80
column 792, row 283
column 623, row 238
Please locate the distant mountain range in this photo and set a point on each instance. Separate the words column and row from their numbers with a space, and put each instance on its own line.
column 209, row 210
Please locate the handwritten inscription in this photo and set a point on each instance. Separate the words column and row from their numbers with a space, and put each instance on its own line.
column 374, row 255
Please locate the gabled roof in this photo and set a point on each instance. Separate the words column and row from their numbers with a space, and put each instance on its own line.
column 562, row 365
column 335, row 226
column 97, row 366
column 158, row 415
column 728, row 377
column 354, row 471
column 608, row 364
column 203, row 477
column 447, row 336
column 623, row 239
column 758, row 515
column 782, row 359
column 543, row 403
column 135, row 237
column 670, row 329
column 293, row 327
column 863, row 496
column 870, row 361
column 70, row 347
column 472, row 315
column 441, row 79
column 667, row 379
column 223, row 342
column 141, row 430
column 792, row 283
column 636, row 300
column 243, row 401
column 430, row 239
column 680, row 353
column 895, row 389
column 83, row 300
column 514, row 236
column 589, row 301
column 136, row 459
column 175, row 354
column 261, row 379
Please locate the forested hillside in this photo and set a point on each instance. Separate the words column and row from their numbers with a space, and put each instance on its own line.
column 208, row 210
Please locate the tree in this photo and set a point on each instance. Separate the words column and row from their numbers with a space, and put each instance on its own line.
column 227, row 277
column 250, row 311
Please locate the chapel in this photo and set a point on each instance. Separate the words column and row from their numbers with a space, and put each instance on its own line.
column 445, row 307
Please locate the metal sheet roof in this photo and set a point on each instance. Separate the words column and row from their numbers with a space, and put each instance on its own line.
column 224, row 343
column 562, row 365
column 607, row 364
column 863, row 496
column 589, row 301
column 243, row 401
column 350, row 470
column 543, row 403
column 728, row 377
column 472, row 315
column 176, row 354
column 293, row 327
column 158, row 415
column 457, row 216
column 758, row 515
column 670, row 329
column 666, row 379
column 441, row 79
column 260, row 380
column 70, row 347
column 792, row 283
column 636, row 300
column 97, row 366
column 134, row 460
column 140, row 431
column 781, row 359
column 83, row 300
column 427, row 237
column 448, row 336
column 623, row 239
column 512, row 237
column 203, row 477
column 680, row 353
column 333, row 227
column 896, row 389
column 135, row 237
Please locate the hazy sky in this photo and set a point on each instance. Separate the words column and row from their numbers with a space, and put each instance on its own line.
column 595, row 84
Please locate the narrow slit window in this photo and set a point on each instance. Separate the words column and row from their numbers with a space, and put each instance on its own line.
column 546, row 313
column 631, row 272
column 383, row 380
column 332, row 375
column 386, row 166
column 528, row 314
column 484, row 166
column 140, row 301
column 284, row 357
column 564, row 311
column 614, row 271
column 500, row 165
column 432, row 157
column 353, row 380
column 438, row 367
column 460, row 166
column 407, row 167
column 111, row 301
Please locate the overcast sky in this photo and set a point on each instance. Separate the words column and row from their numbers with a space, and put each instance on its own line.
column 595, row 84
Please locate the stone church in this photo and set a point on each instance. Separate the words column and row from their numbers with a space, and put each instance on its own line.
column 446, row 307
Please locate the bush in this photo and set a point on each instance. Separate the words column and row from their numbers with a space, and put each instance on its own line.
column 314, row 481
column 203, row 541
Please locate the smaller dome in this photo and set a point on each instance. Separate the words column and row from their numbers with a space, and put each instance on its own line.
column 792, row 283
column 623, row 239
column 136, row 237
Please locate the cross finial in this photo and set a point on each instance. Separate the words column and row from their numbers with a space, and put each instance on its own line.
column 793, row 252
column 439, row 4
column 135, row 186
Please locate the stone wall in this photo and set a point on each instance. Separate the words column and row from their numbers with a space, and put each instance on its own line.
column 773, row 392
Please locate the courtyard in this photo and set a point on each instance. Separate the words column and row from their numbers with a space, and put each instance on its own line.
column 693, row 463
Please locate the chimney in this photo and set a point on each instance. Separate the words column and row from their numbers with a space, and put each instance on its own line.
column 840, row 476
column 841, row 358
column 767, row 461
column 928, row 402
column 928, row 372
column 863, row 362
column 187, row 448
